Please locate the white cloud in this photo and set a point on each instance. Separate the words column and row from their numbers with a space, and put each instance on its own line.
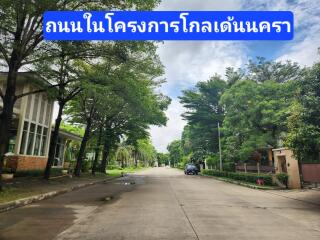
column 180, row 5
column 191, row 61
column 188, row 62
column 162, row 136
column 305, row 52
column 304, row 48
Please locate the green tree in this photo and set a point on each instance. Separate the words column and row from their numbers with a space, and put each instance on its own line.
column 123, row 155
column 304, row 121
column 163, row 159
column 21, row 44
column 203, row 114
column 261, row 70
column 175, row 153
column 146, row 152
column 255, row 116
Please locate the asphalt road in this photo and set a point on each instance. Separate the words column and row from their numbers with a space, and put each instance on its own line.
column 162, row 203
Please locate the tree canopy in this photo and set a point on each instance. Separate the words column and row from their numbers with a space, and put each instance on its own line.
column 266, row 104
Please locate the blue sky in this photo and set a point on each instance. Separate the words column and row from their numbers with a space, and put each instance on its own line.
column 186, row 63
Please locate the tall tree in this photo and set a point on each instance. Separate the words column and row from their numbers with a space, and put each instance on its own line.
column 255, row 116
column 261, row 70
column 21, row 41
column 304, row 121
column 203, row 115
column 175, row 153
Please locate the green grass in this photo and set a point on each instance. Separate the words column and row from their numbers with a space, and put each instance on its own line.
column 117, row 172
column 11, row 194
column 32, row 186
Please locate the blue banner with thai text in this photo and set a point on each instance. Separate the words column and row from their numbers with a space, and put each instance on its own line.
column 168, row 25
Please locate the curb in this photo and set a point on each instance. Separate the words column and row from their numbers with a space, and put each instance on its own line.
column 243, row 184
column 25, row 201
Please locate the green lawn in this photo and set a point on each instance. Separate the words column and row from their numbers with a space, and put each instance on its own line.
column 117, row 172
column 31, row 186
column 11, row 194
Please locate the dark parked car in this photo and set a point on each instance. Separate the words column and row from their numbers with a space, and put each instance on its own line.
column 191, row 169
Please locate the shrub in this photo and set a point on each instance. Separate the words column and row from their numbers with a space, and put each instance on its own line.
column 240, row 176
column 283, row 178
column 86, row 166
column 114, row 167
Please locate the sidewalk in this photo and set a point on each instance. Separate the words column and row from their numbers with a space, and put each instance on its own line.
column 22, row 191
column 305, row 195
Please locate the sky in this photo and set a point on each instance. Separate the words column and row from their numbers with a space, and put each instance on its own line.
column 189, row 62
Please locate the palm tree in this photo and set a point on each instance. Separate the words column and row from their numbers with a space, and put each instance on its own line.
column 123, row 154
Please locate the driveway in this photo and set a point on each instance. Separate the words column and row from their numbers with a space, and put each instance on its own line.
column 163, row 203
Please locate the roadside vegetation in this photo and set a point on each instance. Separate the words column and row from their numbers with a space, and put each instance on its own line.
column 262, row 106
column 106, row 92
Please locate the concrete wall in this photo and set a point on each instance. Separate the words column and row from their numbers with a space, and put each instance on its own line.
column 26, row 162
column 285, row 162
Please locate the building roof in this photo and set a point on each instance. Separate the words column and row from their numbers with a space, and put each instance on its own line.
column 28, row 77
column 69, row 135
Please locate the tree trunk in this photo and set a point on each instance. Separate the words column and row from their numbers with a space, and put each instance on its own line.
column 53, row 142
column 84, row 141
column 105, row 155
column 96, row 156
column 106, row 147
column 135, row 158
column 6, row 116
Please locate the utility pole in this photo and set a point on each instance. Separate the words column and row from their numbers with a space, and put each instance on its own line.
column 220, row 147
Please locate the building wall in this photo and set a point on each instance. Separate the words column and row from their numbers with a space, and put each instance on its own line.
column 19, row 163
column 34, row 116
column 290, row 166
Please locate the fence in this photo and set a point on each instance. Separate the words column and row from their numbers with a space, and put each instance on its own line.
column 254, row 168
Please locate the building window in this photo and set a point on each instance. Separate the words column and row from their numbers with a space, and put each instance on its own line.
column 38, row 140
column 35, row 108
column 31, row 139
column 42, row 110
column 29, row 103
column 48, row 114
column 44, row 141
column 35, row 130
column 24, row 137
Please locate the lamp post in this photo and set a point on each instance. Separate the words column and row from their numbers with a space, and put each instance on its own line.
column 219, row 147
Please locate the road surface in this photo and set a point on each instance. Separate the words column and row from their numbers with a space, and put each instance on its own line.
column 162, row 203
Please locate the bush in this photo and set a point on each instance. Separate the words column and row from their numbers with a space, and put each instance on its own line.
column 181, row 165
column 86, row 166
column 240, row 176
column 114, row 167
column 37, row 173
column 283, row 178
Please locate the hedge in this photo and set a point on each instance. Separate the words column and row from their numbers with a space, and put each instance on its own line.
column 283, row 178
column 246, row 177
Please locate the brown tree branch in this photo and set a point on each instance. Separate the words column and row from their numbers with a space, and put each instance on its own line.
column 73, row 94
column 4, row 53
